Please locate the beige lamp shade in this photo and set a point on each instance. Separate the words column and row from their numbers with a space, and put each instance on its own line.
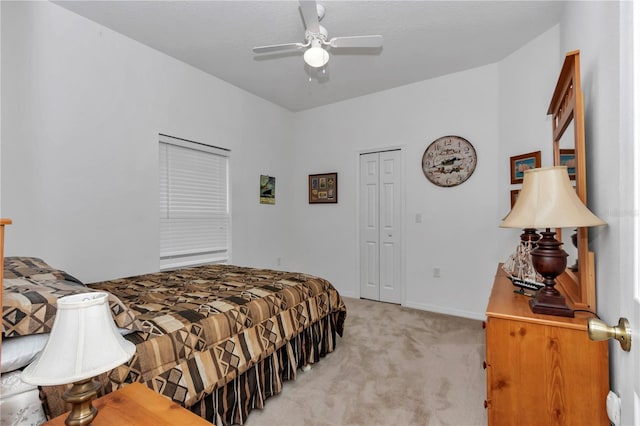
column 84, row 343
column 548, row 200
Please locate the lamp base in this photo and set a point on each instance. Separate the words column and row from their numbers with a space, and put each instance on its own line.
column 550, row 304
column 549, row 260
column 80, row 396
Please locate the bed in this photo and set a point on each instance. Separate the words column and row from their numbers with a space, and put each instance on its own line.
column 217, row 339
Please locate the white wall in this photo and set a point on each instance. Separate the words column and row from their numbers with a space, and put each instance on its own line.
column 457, row 222
column 527, row 81
column 600, row 66
column 608, row 165
column 500, row 109
column 82, row 107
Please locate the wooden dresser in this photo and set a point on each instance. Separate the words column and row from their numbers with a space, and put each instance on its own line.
column 541, row 369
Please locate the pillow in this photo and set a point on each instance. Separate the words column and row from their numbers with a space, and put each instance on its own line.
column 36, row 269
column 29, row 306
column 19, row 401
column 18, row 352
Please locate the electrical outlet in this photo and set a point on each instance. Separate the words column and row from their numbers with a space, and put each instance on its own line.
column 436, row 272
column 279, row 261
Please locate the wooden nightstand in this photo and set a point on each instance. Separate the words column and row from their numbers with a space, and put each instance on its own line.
column 136, row 404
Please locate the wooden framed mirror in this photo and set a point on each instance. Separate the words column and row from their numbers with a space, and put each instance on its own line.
column 577, row 283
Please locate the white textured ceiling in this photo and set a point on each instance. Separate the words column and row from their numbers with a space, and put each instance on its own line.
column 422, row 39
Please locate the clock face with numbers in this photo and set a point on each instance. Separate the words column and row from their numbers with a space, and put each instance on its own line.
column 449, row 161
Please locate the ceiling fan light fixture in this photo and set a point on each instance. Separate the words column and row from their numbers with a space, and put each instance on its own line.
column 316, row 46
column 316, row 56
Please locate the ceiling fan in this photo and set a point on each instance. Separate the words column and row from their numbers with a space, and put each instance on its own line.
column 316, row 38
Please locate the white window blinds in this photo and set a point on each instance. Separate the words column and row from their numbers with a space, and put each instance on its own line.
column 194, row 204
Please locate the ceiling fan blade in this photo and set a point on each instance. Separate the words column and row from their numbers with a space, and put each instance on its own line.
column 278, row 47
column 356, row 41
column 309, row 11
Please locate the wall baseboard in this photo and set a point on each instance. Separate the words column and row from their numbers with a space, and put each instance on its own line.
column 350, row 294
column 447, row 311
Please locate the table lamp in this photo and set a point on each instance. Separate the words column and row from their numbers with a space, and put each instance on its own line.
column 84, row 342
column 548, row 200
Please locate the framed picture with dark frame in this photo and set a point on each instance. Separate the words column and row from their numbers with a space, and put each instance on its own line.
column 568, row 158
column 323, row 188
column 520, row 163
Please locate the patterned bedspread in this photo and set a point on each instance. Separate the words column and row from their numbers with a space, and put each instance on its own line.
column 204, row 326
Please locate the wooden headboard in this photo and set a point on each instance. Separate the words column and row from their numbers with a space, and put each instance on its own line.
column 3, row 222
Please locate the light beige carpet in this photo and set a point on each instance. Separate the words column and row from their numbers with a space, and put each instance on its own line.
column 394, row 366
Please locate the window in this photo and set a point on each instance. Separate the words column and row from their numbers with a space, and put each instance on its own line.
column 194, row 203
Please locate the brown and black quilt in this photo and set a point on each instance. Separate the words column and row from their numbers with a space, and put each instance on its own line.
column 220, row 339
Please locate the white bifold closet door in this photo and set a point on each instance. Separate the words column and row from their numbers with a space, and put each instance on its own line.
column 380, row 226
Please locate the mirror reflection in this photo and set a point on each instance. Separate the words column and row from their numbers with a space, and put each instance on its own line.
column 568, row 236
column 570, row 245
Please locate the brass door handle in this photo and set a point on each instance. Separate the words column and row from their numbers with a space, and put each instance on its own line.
column 599, row 330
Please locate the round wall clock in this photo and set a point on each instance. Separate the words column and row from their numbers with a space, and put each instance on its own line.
column 449, row 161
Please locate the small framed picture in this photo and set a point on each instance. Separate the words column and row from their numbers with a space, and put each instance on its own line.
column 323, row 188
column 568, row 158
column 267, row 189
column 521, row 163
